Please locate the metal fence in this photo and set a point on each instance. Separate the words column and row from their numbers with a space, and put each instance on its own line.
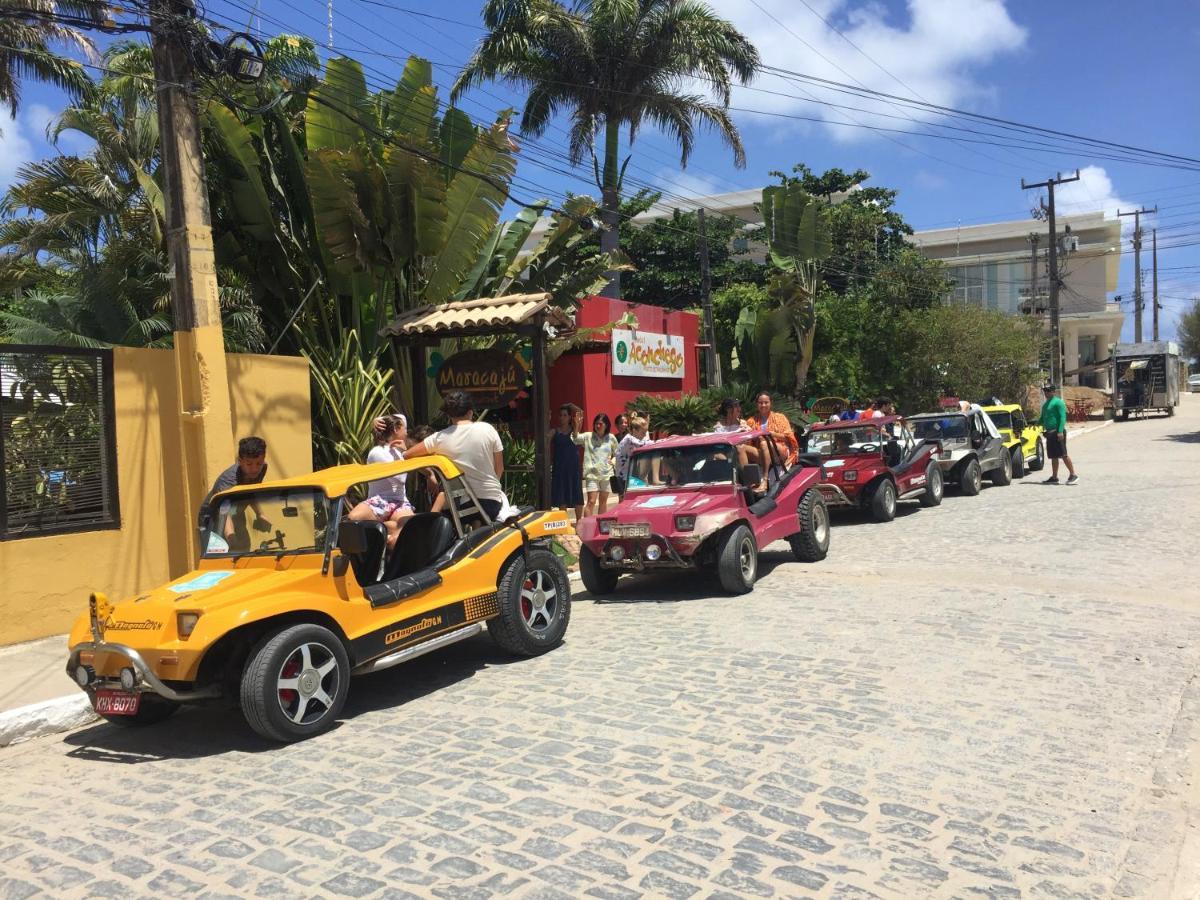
column 57, row 441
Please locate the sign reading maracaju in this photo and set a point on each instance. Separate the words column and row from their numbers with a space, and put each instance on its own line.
column 491, row 377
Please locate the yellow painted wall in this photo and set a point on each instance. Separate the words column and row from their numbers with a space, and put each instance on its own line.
column 45, row 581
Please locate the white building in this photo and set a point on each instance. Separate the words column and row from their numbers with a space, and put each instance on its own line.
column 992, row 265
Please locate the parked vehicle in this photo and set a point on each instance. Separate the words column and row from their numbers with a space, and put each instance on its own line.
column 871, row 464
column 1146, row 376
column 691, row 503
column 970, row 447
column 277, row 621
column 1193, row 383
column 1023, row 439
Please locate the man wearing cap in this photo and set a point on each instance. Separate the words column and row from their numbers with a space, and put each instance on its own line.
column 1054, row 424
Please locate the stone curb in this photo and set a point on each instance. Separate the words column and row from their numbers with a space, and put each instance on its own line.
column 73, row 711
column 48, row 717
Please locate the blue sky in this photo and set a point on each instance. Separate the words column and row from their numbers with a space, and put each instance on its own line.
column 1083, row 70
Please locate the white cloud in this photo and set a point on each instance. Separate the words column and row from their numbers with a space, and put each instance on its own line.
column 685, row 184
column 17, row 141
column 1093, row 191
column 934, row 53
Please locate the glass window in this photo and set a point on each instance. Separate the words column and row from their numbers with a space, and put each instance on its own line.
column 675, row 466
column 940, row 428
column 267, row 522
column 845, row 441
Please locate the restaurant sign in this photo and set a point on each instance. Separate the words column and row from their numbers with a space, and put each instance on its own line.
column 491, row 378
column 646, row 354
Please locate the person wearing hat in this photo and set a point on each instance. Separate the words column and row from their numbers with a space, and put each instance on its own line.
column 1054, row 423
column 475, row 447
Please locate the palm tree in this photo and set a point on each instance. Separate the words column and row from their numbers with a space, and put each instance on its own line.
column 611, row 64
column 29, row 28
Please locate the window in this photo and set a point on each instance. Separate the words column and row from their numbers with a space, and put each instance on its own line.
column 57, row 441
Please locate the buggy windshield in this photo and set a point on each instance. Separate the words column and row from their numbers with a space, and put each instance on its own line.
column 267, row 522
column 1001, row 419
column 945, row 428
column 846, row 442
column 675, row 466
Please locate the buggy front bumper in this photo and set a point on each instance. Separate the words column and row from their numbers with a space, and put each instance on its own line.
column 145, row 679
column 633, row 556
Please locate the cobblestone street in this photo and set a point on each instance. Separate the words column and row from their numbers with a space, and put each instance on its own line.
column 993, row 698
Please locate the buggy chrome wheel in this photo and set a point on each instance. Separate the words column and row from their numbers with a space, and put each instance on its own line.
column 307, row 683
column 539, row 601
column 295, row 682
column 535, row 604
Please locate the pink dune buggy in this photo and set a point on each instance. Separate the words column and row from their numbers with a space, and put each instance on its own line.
column 693, row 502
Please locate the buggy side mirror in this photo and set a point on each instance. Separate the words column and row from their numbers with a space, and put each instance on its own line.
column 751, row 475
column 352, row 537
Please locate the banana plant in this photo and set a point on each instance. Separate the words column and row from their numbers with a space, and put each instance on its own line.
column 775, row 344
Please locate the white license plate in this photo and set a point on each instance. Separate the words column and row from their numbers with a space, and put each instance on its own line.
column 117, row 703
column 630, row 531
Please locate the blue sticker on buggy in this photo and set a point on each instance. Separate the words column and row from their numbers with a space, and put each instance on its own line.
column 200, row 582
column 658, row 502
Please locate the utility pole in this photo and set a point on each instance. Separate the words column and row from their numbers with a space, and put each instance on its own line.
column 1034, row 240
column 712, row 366
column 1056, row 354
column 1139, row 301
column 1154, row 257
column 206, row 428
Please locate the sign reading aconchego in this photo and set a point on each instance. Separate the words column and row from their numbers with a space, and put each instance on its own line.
column 647, row 355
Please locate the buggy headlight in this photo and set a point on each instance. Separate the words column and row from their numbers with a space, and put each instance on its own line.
column 605, row 525
column 851, row 475
column 617, row 553
column 186, row 623
column 129, row 678
column 685, row 523
column 653, row 552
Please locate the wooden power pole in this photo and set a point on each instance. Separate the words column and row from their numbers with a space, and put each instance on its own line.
column 202, row 381
column 712, row 364
column 1052, row 252
column 1154, row 252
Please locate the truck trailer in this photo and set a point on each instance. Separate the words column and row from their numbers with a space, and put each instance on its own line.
column 1145, row 378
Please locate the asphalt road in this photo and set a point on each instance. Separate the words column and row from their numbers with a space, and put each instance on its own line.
column 995, row 698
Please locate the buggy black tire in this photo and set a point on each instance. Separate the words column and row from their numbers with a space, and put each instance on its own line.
column 1039, row 460
column 597, row 580
column 1018, row 462
column 883, row 501
column 152, row 709
column 970, row 477
column 935, row 485
column 811, row 542
column 535, row 604
column 737, row 560
column 1002, row 475
column 296, row 664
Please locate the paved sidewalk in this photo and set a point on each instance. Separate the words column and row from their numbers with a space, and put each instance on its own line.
column 34, row 671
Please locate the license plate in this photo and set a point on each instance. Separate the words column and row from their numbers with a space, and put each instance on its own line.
column 117, row 703
column 631, row 531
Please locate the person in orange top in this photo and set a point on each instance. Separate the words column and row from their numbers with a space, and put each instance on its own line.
column 777, row 426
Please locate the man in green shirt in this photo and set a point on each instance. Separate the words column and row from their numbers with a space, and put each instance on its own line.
column 1054, row 424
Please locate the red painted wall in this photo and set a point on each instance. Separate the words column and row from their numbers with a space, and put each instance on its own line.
column 586, row 378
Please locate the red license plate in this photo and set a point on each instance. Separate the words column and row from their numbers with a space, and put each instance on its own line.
column 117, row 703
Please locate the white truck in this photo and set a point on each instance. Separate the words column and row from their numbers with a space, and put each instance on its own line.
column 1145, row 378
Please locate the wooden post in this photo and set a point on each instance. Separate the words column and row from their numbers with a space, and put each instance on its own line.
column 541, row 413
column 420, row 390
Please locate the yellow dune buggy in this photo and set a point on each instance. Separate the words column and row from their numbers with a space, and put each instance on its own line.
column 291, row 598
column 1022, row 439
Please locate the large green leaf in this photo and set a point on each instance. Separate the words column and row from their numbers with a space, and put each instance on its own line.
column 473, row 202
column 457, row 136
column 414, row 104
column 341, row 224
column 249, row 196
column 338, row 107
column 417, row 194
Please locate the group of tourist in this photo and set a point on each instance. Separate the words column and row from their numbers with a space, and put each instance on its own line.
column 586, row 485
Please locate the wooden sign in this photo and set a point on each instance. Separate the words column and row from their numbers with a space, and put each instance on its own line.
column 827, row 406
column 491, row 378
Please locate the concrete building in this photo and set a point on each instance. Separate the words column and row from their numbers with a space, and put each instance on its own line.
column 993, row 265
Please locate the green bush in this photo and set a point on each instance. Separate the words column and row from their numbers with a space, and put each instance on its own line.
column 520, row 477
